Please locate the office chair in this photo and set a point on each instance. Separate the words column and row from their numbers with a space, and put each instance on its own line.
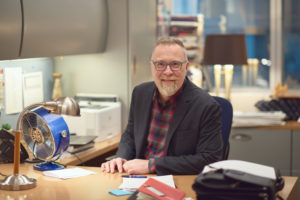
column 227, row 114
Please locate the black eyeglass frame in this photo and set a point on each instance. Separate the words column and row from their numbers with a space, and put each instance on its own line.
column 170, row 64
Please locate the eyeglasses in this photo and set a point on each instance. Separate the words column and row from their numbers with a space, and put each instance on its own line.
column 162, row 66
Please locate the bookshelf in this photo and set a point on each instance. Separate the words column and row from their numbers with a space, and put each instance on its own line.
column 189, row 29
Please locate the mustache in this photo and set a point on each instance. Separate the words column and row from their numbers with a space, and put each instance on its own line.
column 168, row 78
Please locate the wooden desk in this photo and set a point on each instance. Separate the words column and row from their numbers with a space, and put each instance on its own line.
column 99, row 149
column 97, row 186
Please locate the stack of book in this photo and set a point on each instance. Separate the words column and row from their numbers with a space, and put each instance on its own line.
column 78, row 148
column 187, row 28
column 81, row 143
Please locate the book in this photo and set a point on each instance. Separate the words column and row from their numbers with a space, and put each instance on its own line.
column 154, row 189
column 79, row 148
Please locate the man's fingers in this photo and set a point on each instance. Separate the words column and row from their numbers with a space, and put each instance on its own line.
column 102, row 166
column 120, row 165
column 112, row 165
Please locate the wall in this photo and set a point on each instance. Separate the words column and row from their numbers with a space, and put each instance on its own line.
column 246, row 99
column 44, row 65
column 107, row 72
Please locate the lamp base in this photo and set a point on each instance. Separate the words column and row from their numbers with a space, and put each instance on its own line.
column 17, row 182
column 46, row 166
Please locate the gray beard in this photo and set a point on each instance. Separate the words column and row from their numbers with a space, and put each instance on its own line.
column 168, row 91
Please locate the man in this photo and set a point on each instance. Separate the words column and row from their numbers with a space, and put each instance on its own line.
column 174, row 127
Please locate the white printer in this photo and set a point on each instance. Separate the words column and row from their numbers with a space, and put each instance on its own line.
column 100, row 116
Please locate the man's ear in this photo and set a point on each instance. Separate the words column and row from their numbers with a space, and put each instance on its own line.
column 187, row 65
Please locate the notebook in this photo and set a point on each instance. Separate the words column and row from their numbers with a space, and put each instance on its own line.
column 153, row 189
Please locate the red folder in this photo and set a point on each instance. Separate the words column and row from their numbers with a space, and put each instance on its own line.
column 161, row 190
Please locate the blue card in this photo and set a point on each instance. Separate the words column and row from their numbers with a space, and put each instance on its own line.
column 119, row 192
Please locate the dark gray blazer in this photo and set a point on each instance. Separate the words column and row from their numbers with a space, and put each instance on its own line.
column 194, row 138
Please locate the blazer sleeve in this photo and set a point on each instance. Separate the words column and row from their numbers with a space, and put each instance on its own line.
column 126, row 147
column 207, row 144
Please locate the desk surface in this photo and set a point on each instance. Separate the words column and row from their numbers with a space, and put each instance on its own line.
column 97, row 186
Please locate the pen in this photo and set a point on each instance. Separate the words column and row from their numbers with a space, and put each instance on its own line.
column 133, row 176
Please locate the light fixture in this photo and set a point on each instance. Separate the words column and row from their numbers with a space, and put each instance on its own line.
column 224, row 51
column 62, row 105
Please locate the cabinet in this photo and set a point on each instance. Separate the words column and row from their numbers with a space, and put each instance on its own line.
column 10, row 29
column 142, row 16
column 276, row 146
column 295, row 153
column 268, row 147
column 52, row 28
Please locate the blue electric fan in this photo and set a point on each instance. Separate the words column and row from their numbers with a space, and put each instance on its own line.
column 47, row 136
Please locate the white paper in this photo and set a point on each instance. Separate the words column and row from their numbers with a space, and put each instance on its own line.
column 244, row 166
column 135, row 183
column 242, row 119
column 68, row 173
column 33, row 88
column 13, row 90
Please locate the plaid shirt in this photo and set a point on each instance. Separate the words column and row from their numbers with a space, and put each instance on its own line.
column 160, row 120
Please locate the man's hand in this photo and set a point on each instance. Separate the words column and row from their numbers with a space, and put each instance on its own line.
column 112, row 165
column 136, row 166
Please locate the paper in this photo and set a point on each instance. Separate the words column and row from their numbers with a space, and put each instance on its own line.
column 68, row 173
column 242, row 119
column 244, row 166
column 135, row 183
column 13, row 90
column 33, row 88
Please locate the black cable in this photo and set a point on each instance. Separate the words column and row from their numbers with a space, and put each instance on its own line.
column 81, row 162
column 34, row 160
column 2, row 174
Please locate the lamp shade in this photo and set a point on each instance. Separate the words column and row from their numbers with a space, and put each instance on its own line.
column 225, row 49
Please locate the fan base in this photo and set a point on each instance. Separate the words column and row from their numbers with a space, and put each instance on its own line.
column 17, row 182
column 45, row 166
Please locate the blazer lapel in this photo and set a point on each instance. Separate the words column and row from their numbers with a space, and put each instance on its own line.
column 143, row 122
column 179, row 112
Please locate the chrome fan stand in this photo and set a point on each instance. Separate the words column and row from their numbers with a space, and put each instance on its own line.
column 17, row 181
column 62, row 105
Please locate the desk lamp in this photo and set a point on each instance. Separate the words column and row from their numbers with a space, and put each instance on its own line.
column 62, row 105
column 223, row 51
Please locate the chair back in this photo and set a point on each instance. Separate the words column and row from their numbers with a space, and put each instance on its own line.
column 227, row 114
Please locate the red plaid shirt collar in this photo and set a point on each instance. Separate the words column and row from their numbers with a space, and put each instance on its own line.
column 173, row 101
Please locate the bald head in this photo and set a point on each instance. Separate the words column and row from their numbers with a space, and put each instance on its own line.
column 170, row 41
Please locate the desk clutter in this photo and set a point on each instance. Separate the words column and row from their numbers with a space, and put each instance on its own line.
column 282, row 101
column 81, row 143
column 233, row 179
column 247, row 119
column 132, row 184
column 153, row 189
column 7, row 148
column 290, row 105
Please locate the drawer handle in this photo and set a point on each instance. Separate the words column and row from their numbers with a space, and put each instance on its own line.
column 241, row 137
